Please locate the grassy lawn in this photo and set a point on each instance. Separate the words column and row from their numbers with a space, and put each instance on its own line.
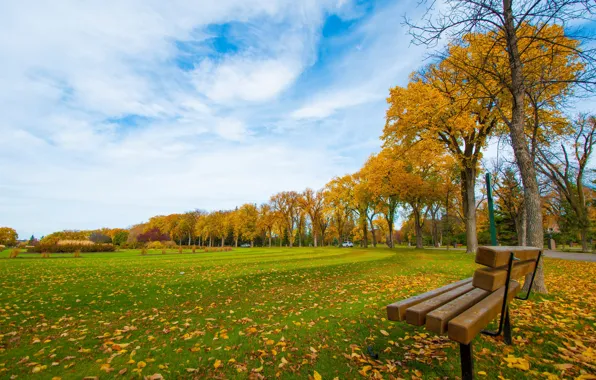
column 270, row 313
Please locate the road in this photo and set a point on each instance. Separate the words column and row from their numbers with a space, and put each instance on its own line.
column 570, row 255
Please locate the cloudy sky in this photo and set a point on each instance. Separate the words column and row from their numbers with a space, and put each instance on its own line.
column 114, row 111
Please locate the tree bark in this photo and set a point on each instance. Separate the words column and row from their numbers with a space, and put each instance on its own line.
column 535, row 235
column 584, row 236
column 468, row 185
column 418, row 228
column 520, row 226
column 372, row 229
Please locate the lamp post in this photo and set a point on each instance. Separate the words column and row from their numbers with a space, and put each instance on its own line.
column 491, row 212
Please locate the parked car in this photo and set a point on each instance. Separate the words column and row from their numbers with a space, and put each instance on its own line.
column 346, row 244
column 245, row 245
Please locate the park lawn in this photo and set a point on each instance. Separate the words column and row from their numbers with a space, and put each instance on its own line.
column 271, row 312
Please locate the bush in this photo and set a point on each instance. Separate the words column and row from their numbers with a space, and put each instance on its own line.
column 98, row 237
column 130, row 245
column 71, row 247
column 169, row 244
column 2, row 247
column 218, row 249
column 155, row 245
column 120, row 238
column 14, row 253
column 153, row 234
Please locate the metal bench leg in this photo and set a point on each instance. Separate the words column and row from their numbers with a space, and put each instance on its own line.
column 467, row 361
column 507, row 329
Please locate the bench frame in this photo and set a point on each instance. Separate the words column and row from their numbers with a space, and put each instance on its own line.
column 465, row 350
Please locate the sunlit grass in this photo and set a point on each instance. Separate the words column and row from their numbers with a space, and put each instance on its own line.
column 273, row 312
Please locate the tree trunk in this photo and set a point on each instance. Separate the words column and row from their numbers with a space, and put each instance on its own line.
column 222, row 241
column 269, row 238
column 236, row 242
column 535, row 235
column 418, row 228
column 372, row 229
column 584, row 236
column 468, row 182
column 390, row 226
column 323, row 236
column 520, row 227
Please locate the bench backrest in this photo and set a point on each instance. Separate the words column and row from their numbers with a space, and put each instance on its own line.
column 496, row 260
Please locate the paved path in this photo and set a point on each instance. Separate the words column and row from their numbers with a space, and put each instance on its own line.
column 570, row 255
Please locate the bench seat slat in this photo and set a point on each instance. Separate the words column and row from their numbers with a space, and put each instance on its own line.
column 397, row 310
column 468, row 324
column 495, row 257
column 437, row 320
column 416, row 315
column 492, row 279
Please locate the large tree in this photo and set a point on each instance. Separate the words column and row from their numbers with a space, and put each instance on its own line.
column 503, row 67
column 8, row 236
column 436, row 106
column 287, row 206
column 565, row 167
column 384, row 179
column 312, row 202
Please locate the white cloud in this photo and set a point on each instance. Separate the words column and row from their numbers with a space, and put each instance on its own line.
column 243, row 78
column 231, row 129
column 74, row 72
column 326, row 104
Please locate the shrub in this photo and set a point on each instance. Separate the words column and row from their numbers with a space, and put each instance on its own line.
column 130, row 245
column 218, row 249
column 163, row 251
column 155, row 245
column 73, row 242
column 153, row 234
column 77, row 253
column 120, row 238
column 14, row 253
column 98, row 237
column 169, row 244
column 2, row 247
column 194, row 249
column 144, row 252
column 71, row 247
column 180, row 249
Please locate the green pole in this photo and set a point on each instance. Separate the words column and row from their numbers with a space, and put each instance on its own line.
column 491, row 212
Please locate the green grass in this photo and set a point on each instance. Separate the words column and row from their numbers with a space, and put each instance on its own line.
column 318, row 309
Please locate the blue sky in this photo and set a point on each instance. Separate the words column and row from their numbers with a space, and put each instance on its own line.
column 115, row 111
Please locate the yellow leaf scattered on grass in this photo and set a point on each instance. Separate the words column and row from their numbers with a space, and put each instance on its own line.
column 217, row 364
column 384, row 333
column 317, row 376
column 513, row 362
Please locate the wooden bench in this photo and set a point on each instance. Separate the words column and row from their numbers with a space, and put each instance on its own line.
column 463, row 309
